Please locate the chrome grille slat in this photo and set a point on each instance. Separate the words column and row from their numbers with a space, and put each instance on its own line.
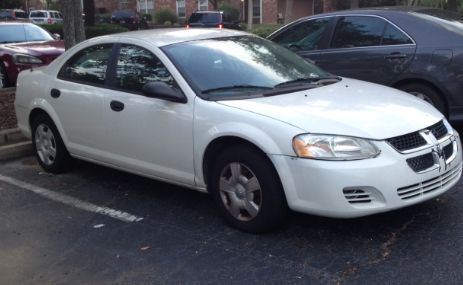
column 430, row 185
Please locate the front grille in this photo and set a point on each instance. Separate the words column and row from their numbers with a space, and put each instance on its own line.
column 439, row 130
column 448, row 151
column 430, row 185
column 356, row 196
column 421, row 162
column 415, row 140
column 408, row 141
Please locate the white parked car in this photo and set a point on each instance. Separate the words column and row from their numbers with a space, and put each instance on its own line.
column 45, row 17
column 246, row 120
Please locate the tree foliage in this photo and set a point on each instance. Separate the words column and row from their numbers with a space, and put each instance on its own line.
column 10, row 4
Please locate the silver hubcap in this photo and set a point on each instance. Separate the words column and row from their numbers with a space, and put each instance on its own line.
column 240, row 191
column 422, row 97
column 2, row 78
column 45, row 144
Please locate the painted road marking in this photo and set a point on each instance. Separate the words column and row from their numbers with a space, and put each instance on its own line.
column 71, row 201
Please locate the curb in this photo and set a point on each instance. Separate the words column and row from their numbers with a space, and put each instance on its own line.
column 13, row 144
column 16, row 150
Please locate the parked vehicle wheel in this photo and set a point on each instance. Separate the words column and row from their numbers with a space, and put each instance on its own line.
column 3, row 76
column 48, row 145
column 247, row 190
column 426, row 93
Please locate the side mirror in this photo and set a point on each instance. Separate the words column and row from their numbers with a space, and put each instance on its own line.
column 163, row 91
column 56, row 36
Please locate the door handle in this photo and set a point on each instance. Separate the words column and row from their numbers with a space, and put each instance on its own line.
column 396, row 55
column 55, row 93
column 117, row 106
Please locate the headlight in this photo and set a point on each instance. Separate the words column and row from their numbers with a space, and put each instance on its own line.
column 331, row 147
column 26, row 59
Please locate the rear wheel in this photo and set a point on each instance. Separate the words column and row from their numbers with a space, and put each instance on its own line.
column 247, row 190
column 426, row 93
column 49, row 148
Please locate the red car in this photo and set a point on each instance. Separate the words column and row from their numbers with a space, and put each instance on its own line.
column 22, row 46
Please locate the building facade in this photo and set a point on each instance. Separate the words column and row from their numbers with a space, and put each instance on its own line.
column 264, row 11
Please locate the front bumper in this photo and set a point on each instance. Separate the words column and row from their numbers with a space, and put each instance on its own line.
column 348, row 189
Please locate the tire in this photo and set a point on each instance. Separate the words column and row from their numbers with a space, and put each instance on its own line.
column 3, row 77
column 49, row 148
column 427, row 93
column 247, row 190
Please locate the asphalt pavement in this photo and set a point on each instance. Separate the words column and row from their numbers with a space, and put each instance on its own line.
column 96, row 225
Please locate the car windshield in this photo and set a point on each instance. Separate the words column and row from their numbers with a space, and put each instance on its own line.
column 205, row 18
column 22, row 33
column 227, row 68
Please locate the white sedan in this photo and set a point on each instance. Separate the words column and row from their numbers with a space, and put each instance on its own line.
column 232, row 114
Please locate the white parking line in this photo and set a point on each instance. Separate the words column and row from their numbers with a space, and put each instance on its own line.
column 71, row 201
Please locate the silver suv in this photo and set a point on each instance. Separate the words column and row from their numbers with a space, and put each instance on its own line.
column 45, row 17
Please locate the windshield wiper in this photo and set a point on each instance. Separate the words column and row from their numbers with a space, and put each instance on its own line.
column 240, row 86
column 323, row 80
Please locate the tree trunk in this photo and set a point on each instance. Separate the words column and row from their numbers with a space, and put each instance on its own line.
column 250, row 13
column 73, row 26
column 289, row 11
column 452, row 5
column 89, row 11
column 329, row 5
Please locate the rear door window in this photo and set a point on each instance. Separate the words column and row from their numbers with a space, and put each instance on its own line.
column 88, row 66
column 393, row 36
column 358, row 31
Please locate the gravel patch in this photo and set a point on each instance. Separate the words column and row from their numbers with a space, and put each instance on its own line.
column 7, row 114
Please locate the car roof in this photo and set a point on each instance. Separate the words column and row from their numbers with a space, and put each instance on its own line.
column 163, row 37
column 208, row 12
column 387, row 10
column 17, row 23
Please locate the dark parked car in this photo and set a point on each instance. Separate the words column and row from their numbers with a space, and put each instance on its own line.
column 127, row 18
column 212, row 19
column 418, row 50
column 22, row 46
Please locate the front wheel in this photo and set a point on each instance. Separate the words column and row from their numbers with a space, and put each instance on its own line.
column 247, row 190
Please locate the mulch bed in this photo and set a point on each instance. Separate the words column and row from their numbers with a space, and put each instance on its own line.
column 7, row 114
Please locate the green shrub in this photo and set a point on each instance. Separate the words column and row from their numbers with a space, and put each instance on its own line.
column 103, row 29
column 230, row 13
column 147, row 17
column 264, row 30
column 164, row 15
column 90, row 32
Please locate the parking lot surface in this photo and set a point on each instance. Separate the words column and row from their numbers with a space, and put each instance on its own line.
column 95, row 225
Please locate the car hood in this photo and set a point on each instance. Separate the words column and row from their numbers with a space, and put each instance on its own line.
column 37, row 48
column 349, row 107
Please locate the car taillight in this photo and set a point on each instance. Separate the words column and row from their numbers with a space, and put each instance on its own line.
column 220, row 26
column 187, row 26
column 49, row 21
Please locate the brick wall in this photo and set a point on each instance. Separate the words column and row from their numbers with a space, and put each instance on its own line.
column 166, row 4
column 269, row 11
